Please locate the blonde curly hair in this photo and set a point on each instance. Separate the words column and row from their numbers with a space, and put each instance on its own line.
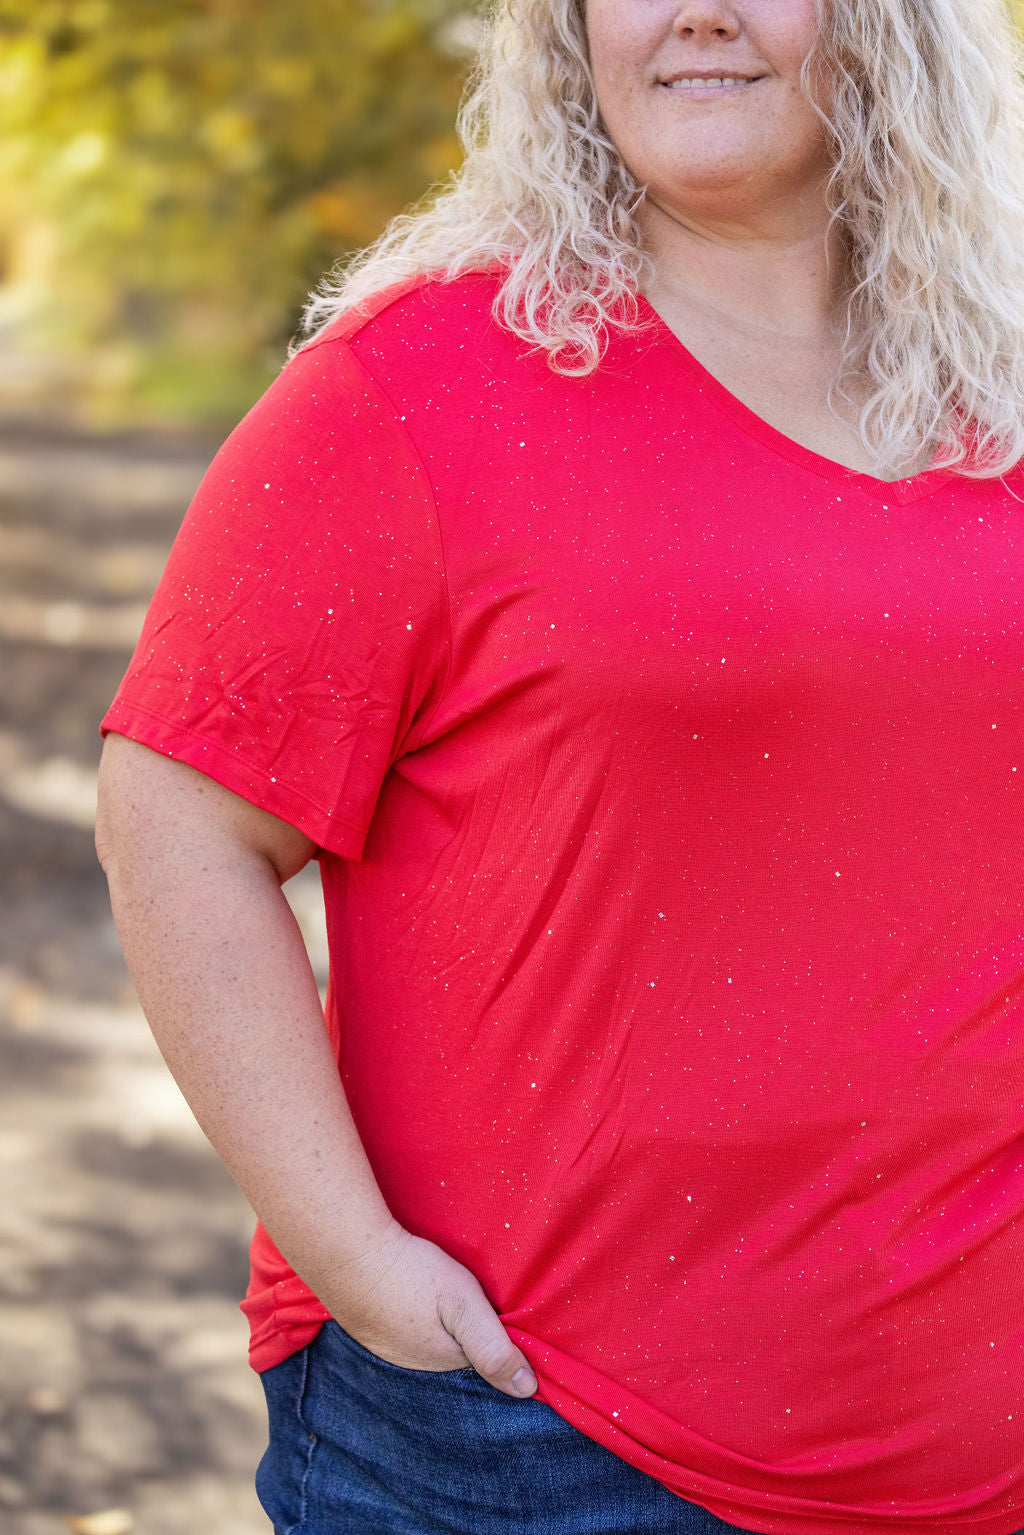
column 923, row 105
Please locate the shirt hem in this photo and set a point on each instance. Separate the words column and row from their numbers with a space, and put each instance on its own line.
column 173, row 739
column 282, row 1335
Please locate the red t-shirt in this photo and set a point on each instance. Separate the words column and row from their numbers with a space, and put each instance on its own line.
column 670, row 782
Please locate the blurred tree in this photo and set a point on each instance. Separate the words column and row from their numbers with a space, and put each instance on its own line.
column 176, row 174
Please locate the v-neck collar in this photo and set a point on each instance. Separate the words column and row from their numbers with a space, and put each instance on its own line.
column 900, row 492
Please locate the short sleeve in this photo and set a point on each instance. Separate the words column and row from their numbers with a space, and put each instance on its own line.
column 298, row 639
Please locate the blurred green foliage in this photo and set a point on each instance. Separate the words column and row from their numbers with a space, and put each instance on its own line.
column 176, row 174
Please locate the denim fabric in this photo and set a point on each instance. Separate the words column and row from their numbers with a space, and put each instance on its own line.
column 359, row 1446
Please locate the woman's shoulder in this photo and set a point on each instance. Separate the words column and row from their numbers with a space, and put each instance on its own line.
column 430, row 348
column 426, row 309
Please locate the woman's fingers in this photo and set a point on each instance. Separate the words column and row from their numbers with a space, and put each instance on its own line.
column 416, row 1306
column 473, row 1322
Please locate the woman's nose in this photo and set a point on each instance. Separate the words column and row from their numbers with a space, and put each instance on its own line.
column 712, row 19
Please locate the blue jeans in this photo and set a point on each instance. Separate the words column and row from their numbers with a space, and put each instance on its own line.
column 359, row 1446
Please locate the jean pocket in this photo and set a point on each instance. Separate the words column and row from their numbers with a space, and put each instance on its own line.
column 347, row 1341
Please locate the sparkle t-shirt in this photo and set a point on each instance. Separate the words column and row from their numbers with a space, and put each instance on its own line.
column 669, row 779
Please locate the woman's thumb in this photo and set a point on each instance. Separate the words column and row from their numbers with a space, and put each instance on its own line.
column 478, row 1331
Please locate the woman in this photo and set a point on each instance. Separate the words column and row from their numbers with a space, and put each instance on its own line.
column 619, row 593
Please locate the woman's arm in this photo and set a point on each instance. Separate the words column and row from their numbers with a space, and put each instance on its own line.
column 195, row 877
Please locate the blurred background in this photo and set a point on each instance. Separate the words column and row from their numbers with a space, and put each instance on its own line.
column 174, row 178
column 175, row 175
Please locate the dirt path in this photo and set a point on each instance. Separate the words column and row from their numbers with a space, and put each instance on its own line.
column 123, row 1241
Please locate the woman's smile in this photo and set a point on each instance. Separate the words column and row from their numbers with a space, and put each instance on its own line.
column 699, row 87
